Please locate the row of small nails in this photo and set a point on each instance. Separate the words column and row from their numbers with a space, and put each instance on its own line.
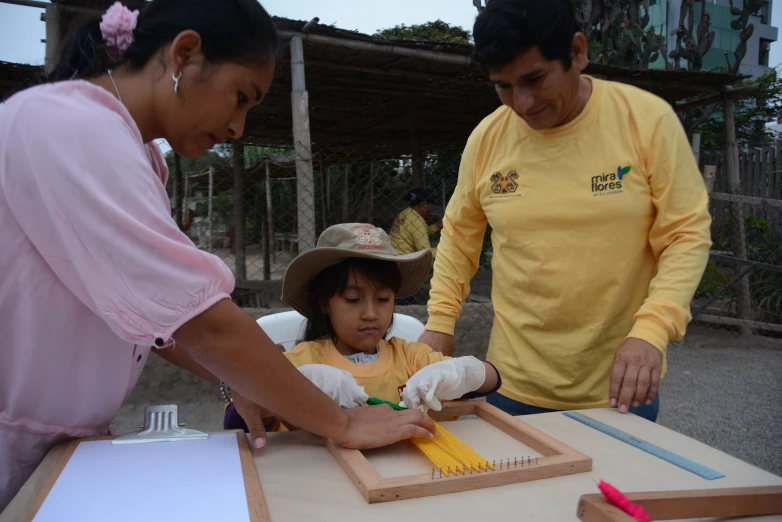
column 507, row 464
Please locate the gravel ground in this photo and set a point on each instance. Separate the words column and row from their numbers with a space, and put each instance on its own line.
column 726, row 391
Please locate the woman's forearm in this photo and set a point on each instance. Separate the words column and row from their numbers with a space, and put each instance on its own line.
column 230, row 345
column 179, row 357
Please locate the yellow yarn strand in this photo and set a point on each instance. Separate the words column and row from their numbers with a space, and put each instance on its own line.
column 450, row 455
column 447, row 464
column 468, row 452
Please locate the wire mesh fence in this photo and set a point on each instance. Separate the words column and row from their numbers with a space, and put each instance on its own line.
column 245, row 204
column 257, row 216
column 742, row 284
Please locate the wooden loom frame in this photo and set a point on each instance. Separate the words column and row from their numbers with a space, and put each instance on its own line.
column 558, row 460
column 676, row 505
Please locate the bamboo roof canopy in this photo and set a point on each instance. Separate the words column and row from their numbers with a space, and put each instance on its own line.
column 366, row 93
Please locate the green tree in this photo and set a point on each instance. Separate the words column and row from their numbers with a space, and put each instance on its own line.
column 210, row 158
column 750, row 115
column 619, row 34
column 437, row 31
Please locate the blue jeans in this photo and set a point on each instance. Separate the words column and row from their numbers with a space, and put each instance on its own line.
column 519, row 408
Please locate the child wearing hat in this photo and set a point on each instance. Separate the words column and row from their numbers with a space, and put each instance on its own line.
column 346, row 288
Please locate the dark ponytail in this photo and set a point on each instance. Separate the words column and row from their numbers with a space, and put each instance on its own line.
column 239, row 31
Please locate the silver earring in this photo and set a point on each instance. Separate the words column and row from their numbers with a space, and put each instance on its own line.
column 176, row 78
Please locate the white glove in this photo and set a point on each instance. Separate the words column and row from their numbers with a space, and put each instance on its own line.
column 337, row 384
column 445, row 380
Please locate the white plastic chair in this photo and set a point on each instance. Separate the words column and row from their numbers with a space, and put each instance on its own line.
column 287, row 328
column 284, row 328
column 406, row 327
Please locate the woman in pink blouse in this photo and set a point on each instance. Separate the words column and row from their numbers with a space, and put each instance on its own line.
column 94, row 269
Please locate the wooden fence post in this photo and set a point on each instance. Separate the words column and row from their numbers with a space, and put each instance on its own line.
column 269, row 212
column 305, row 187
column 240, row 257
column 345, row 213
column 371, row 194
column 324, row 195
column 737, row 214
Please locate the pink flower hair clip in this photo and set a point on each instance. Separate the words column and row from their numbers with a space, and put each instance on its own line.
column 117, row 27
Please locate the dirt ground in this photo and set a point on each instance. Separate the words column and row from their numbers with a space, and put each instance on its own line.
column 721, row 389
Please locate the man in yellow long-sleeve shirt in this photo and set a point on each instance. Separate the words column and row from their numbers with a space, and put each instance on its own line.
column 600, row 223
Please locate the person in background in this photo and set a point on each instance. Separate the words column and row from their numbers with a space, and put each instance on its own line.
column 599, row 217
column 410, row 233
column 95, row 270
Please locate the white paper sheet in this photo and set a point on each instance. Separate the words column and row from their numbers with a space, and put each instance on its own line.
column 183, row 481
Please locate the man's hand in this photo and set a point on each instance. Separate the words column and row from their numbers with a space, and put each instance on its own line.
column 635, row 376
column 439, row 342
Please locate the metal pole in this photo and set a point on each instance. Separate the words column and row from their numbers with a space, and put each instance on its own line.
column 415, row 152
column 345, row 211
column 323, row 195
column 696, row 147
column 210, row 222
column 177, row 196
column 371, row 194
column 185, row 196
column 269, row 212
column 53, row 36
column 240, row 262
column 444, row 203
column 267, row 264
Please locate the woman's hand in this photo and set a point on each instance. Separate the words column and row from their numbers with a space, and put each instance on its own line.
column 253, row 416
column 232, row 347
column 377, row 426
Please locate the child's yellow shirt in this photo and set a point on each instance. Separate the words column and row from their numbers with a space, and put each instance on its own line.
column 397, row 361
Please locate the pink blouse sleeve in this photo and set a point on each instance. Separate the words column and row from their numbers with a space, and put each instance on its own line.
column 84, row 192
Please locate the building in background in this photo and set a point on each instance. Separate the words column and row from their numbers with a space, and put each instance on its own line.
column 664, row 16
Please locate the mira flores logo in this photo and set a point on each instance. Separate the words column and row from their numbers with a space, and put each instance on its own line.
column 609, row 184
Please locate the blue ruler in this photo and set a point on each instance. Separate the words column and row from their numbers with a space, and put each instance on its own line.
column 657, row 451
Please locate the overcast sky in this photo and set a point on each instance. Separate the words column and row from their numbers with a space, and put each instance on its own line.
column 21, row 29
